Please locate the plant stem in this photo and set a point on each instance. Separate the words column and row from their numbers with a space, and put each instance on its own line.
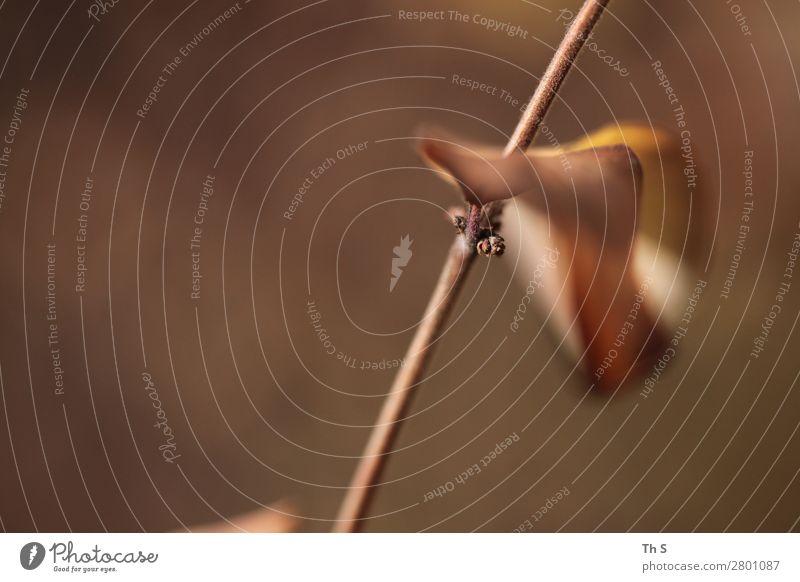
column 380, row 442
column 454, row 272
column 556, row 72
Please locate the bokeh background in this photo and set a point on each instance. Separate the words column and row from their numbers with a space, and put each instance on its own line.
column 259, row 410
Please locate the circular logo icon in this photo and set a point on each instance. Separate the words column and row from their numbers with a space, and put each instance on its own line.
column 31, row 555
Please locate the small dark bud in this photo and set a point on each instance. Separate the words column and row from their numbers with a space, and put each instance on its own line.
column 497, row 246
column 460, row 223
column 484, row 247
column 491, row 244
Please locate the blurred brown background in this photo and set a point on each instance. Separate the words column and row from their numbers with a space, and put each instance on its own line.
column 259, row 411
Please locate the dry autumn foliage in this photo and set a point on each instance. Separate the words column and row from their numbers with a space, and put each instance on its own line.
column 614, row 209
column 273, row 519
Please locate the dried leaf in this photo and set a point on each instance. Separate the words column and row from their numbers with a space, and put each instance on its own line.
column 276, row 518
column 615, row 208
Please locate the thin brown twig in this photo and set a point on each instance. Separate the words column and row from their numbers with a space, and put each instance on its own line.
column 557, row 70
column 461, row 256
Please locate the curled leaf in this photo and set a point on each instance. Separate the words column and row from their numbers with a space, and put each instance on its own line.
column 276, row 518
column 612, row 208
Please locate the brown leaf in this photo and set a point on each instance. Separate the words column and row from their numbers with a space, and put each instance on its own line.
column 588, row 201
column 276, row 518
